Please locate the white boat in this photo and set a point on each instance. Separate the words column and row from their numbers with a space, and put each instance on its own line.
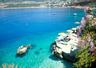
column 75, row 14
column 22, row 50
column 77, row 22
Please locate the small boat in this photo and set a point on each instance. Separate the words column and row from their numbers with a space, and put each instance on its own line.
column 77, row 22
column 22, row 49
column 54, row 14
column 75, row 14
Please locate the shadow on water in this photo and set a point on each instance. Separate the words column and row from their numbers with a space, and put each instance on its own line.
column 66, row 64
column 38, row 51
column 17, row 55
column 33, row 46
column 54, row 58
column 40, row 48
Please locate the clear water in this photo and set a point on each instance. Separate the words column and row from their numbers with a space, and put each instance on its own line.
column 39, row 27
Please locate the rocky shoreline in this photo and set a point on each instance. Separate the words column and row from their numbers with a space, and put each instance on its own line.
column 66, row 44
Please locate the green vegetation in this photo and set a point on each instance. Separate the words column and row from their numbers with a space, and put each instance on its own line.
column 88, row 3
column 91, row 30
column 92, row 4
column 84, row 58
column 94, row 12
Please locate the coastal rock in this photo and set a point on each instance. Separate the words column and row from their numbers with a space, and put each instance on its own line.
column 88, row 16
column 65, row 46
column 22, row 50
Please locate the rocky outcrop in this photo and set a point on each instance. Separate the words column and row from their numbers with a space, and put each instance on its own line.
column 65, row 46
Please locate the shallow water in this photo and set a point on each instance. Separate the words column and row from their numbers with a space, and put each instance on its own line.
column 39, row 27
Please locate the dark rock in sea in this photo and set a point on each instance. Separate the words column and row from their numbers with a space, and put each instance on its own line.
column 68, row 57
column 52, row 47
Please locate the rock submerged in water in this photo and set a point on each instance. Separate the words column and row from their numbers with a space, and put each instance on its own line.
column 22, row 50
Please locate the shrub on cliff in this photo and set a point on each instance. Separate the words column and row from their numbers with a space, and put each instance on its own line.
column 84, row 58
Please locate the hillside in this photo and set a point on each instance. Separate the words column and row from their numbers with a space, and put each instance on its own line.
column 18, row 0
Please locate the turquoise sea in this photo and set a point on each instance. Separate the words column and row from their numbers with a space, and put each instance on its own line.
column 36, row 26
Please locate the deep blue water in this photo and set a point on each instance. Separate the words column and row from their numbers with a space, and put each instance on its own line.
column 36, row 26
